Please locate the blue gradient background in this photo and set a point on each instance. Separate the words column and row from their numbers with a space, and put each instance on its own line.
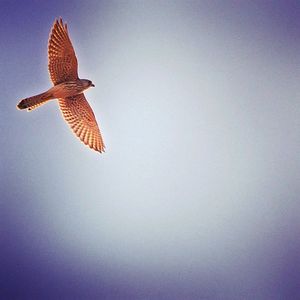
column 197, row 196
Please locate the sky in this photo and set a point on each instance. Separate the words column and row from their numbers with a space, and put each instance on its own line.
column 197, row 195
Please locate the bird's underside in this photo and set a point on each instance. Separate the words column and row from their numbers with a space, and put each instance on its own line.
column 68, row 89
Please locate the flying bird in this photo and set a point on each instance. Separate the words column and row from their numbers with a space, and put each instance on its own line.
column 68, row 89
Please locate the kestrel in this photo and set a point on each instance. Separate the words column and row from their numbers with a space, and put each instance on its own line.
column 68, row 89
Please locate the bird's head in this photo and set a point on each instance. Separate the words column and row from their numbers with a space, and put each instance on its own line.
column 87, row 83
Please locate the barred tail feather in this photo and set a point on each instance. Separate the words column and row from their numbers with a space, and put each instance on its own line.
column 34, row 101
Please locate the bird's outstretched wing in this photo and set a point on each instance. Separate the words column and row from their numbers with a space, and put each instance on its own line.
column 62, row 59
column 78, row 113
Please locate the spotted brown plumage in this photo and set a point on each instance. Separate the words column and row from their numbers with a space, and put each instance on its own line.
column 61, row 55
column 78, row 113
column 68, row 89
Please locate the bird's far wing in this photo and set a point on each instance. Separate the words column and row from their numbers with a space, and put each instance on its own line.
column 79, row 115
column 62, row 63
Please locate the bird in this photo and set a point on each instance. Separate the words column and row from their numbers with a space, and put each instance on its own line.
column 68, row 88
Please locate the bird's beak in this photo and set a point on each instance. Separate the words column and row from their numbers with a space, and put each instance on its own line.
column 92, row 85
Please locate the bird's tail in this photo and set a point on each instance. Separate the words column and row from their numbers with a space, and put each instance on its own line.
column 34, row 101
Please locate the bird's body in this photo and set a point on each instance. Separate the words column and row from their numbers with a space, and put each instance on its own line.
column 68, row 89
column 61, row 90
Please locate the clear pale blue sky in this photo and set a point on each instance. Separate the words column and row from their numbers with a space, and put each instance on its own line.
column 197, row 196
